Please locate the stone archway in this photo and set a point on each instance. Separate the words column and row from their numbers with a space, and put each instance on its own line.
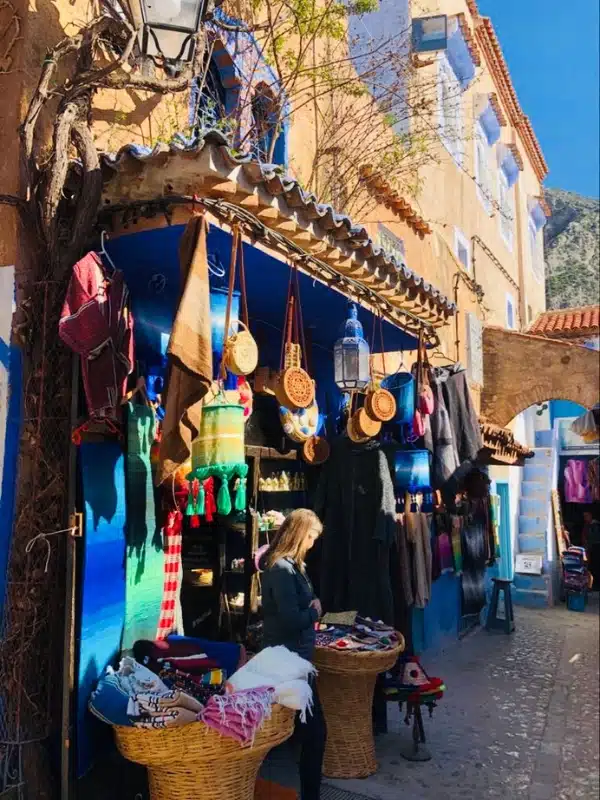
column 521, row 370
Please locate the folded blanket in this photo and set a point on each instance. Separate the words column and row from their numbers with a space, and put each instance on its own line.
column 295, row 694
column 240, row 715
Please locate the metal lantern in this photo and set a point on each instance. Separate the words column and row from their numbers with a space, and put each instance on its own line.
column 169, row 27
column 351, row 355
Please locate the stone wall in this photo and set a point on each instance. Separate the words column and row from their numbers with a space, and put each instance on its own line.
column 521, row 370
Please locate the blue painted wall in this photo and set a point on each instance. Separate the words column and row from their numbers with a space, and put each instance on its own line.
column 564, row 408
column 437, row 625
column 10, row 432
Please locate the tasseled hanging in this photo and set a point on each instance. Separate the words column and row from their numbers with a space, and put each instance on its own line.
column 224, row 498
column 413, row 504
column 211, row 504
column 189, row 509
column 240, row 495
column 201, row 501
column 195, row 520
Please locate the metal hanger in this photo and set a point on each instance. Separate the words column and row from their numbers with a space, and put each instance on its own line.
column 103, row 252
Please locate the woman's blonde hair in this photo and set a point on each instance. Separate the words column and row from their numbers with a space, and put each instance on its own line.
column 290, row 541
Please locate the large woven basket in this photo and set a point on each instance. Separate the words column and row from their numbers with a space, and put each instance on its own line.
column 196, row 761
column 346, row 685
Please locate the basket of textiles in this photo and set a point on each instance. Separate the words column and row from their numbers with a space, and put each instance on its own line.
column 349, row 657
column 202, row 731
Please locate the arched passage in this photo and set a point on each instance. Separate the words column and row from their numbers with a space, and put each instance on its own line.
column 521, row 370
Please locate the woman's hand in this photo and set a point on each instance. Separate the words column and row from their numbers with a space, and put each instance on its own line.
column 316, row 603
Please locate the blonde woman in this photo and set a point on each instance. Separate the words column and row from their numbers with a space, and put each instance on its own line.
column 290, row 610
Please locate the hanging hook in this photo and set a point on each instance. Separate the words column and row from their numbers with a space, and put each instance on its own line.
column 103, row 237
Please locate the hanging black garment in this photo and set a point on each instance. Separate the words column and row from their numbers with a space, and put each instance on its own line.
column 475, row 557
column 355, row 500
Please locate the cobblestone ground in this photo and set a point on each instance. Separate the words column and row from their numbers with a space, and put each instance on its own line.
column 520, row 719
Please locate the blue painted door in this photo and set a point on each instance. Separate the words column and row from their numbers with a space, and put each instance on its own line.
column 505, row 569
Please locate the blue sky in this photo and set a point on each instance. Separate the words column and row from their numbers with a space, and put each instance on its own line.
column 551, row 47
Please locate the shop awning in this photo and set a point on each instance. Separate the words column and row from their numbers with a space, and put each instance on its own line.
column 501, row 447
column 136, row 177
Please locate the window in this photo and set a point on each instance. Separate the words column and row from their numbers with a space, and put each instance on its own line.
column 269, row 134
column 511, row 315
column 506, row 209
column 536, row 255
column 450, row 110
column 461, row 249
column 482, row 169
column 430, row 33
column 392, row 244
column 212, row 105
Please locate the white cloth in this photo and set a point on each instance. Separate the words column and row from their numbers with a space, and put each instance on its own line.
column 280, row 669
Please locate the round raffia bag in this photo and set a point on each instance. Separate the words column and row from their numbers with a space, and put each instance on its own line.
column 364, row 425
column 380, row 404
column 294, row 387
column 240, row 351
column 316, row 450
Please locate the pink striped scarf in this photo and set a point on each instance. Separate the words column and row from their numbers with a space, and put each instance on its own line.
column 239, row 715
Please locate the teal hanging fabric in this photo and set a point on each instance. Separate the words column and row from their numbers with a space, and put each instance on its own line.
column 144, row 569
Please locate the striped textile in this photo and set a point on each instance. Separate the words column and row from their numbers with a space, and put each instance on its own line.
column 170, row 611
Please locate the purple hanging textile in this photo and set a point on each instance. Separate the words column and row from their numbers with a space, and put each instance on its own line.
column 577, row 488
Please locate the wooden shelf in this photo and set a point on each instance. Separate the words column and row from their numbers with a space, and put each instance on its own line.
column 254, row 451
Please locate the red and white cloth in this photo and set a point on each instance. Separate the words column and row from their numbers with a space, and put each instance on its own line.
column 170, row 620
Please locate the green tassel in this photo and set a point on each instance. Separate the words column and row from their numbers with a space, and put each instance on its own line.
column 201, row 502
column 240, row 494
column 189, row 509
column 224, row 499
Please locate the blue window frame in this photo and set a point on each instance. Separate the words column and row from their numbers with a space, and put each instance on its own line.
column 212, row 103
column 430, row 33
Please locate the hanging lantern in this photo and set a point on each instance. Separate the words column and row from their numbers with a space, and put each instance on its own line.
column 351, row 355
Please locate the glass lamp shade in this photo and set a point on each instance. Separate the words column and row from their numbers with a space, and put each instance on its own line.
column 169, row 26
column 351, row 355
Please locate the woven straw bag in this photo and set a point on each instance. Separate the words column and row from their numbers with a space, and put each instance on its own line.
column 380, row 405
column 364, row 425
column 241, row 352
column 294, row 388
column 316, row 450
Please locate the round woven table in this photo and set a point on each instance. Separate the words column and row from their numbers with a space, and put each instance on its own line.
column 196, row 761
column 346, row 683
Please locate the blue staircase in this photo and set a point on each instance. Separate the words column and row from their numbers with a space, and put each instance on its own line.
column 535, row 522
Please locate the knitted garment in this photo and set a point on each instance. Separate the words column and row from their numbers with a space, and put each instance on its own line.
column 201, row 688
column 170, row 612
column 239, row 715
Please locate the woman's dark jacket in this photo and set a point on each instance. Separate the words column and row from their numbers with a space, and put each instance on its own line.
column 288, row 618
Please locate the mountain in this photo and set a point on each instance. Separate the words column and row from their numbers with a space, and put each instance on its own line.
column 572, row 249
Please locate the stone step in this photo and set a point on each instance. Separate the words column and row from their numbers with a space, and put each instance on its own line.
column 532, row 506
column 531, row 598
column 542, row 457
column 541, row 475
column 533, row 489
column 543, row 438
column 531, row 582
column 531, row 543
column 530, row 524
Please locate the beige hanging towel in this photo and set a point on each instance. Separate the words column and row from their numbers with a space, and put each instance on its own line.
column 190, row 352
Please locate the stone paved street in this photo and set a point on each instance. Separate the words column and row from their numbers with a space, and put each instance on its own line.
column 520, row 719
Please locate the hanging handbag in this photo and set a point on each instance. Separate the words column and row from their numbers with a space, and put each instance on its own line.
column 380, row 403
column 240, row 352
column 425, row 399
column 294, row 387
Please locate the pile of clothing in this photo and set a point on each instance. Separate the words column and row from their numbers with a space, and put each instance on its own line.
column 362, row 634
column 575, row 573
column 178, row 681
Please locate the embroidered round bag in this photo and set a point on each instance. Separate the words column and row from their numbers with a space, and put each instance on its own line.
column 300, row 424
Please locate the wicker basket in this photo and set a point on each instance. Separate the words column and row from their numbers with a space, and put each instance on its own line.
column 194, row 760
column 346, row 684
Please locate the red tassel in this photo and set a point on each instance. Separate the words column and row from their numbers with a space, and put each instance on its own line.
column 211, row 503
column 195, row 521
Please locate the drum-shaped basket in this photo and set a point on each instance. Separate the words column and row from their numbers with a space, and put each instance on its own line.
column 196, row 761
column 346, row 685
